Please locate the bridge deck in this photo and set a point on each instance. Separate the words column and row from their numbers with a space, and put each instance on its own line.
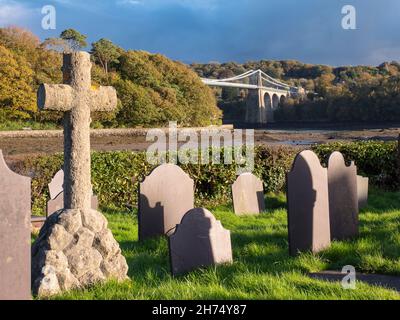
column 241, row 86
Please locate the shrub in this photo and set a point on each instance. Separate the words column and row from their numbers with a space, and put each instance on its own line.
column 116, row 175
column 375, row 159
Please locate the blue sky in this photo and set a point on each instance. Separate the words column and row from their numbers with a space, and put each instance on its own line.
column 227, row 30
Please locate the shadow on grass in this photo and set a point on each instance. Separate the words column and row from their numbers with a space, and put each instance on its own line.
column 145, row 258
column 381, row 201
column 273, row 202
column 259, row 248
column 151, row 256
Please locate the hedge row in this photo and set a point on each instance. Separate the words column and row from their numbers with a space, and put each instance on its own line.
column 376, row 159
column 116, row 175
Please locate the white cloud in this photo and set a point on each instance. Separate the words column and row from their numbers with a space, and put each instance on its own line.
column 12, row 12
column 130, row 2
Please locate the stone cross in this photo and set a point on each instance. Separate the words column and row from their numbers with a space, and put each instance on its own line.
column 77, row 99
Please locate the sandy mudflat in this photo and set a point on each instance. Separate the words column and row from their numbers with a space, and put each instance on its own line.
column 16, row 145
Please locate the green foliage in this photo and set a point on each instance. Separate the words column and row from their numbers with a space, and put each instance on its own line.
column 9, row 125
column 24, row 64
column 152, row 89
column 155, row 90
column 359, row 93
column 75, row 39
column 17, row 98
column 116, row 175
column 229, row 94
column 377, row 160
column 42, row 170
column 105, row 52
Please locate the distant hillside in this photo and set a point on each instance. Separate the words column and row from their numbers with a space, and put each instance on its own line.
column 152, row 89
column 360, row 93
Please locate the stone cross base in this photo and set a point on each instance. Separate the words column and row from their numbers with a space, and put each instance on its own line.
column 75, row 249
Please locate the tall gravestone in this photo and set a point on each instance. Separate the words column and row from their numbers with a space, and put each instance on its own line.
column 56, row 191
column 248, row 195
column 362, row 190
column 75, row 248
column 15, row 234
column 164, row 198
column 308, row 205
column 199, row 241
column 343, row 198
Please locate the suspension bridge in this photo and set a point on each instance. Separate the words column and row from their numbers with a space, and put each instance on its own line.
column 266, row 94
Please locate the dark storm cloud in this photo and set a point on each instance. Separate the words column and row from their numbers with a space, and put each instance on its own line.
column 235, row 30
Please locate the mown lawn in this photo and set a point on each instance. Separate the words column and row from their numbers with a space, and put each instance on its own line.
column 262, row 268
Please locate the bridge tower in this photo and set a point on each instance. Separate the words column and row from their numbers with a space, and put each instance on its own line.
column 266, row 94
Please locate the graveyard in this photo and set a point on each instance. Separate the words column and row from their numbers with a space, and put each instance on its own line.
column 113, row 226
column 262, row 267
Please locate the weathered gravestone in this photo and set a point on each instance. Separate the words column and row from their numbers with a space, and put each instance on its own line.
column 308, row 205
column 343, row 198
column 75, row 248
column 56, row 185
column 199, row 241
column 248, row 195
column 15, row 234
column 362, row 190
column 164, row 198
column 56, row 191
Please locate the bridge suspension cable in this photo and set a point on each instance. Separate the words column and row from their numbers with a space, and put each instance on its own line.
column 262, row 77
column 239, row 77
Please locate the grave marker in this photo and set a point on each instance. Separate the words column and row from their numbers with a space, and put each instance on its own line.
column 362, row 190
column 15, row 234
column 56, row 186
column 75, row 248
column 56, row 190
column 164, row 198
column 343, row 198
column 199, row 241
column 308, row 205
column 248, row 195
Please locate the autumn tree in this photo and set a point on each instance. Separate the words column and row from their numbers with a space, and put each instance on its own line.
column 57, row 45
column 17, row 97
column 155, row 90
column 105, row 53
column 75, row 39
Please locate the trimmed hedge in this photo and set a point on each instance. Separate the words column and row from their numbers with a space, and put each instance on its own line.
column 116, row 175
column 376, row 159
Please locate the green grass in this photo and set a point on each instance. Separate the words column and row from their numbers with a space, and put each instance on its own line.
column 262, row 268
column 9, row 125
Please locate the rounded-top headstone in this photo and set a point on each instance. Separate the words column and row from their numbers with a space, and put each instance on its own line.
column 248, row 195
column 164, row 198
column 343, row 198
column 199, row 241
column 56, row 184
column 308, row 204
